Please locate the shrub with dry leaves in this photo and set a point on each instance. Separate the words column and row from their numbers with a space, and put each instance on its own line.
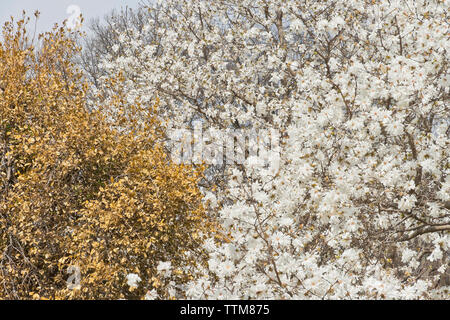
column 86, row 187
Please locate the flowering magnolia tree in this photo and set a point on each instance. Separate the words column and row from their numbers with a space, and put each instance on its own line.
column 358, row 204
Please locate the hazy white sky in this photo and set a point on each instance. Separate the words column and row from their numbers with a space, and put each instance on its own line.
column 53, row 11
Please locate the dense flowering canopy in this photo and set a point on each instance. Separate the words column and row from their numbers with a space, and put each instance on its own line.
column 358, row 90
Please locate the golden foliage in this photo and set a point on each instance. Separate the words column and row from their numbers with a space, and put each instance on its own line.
column 91, row 188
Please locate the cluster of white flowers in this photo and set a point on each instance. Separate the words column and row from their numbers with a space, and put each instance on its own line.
column 133, row 280
column 358, row 207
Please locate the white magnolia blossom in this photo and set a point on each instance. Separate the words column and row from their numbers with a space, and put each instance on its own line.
column 133, row 280
column 358, row 207
column 164, row 268
column 151, row 295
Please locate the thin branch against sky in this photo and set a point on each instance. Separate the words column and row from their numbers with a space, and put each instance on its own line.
column 56, row 11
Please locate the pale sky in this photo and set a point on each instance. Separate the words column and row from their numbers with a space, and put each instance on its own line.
column 53, row 11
